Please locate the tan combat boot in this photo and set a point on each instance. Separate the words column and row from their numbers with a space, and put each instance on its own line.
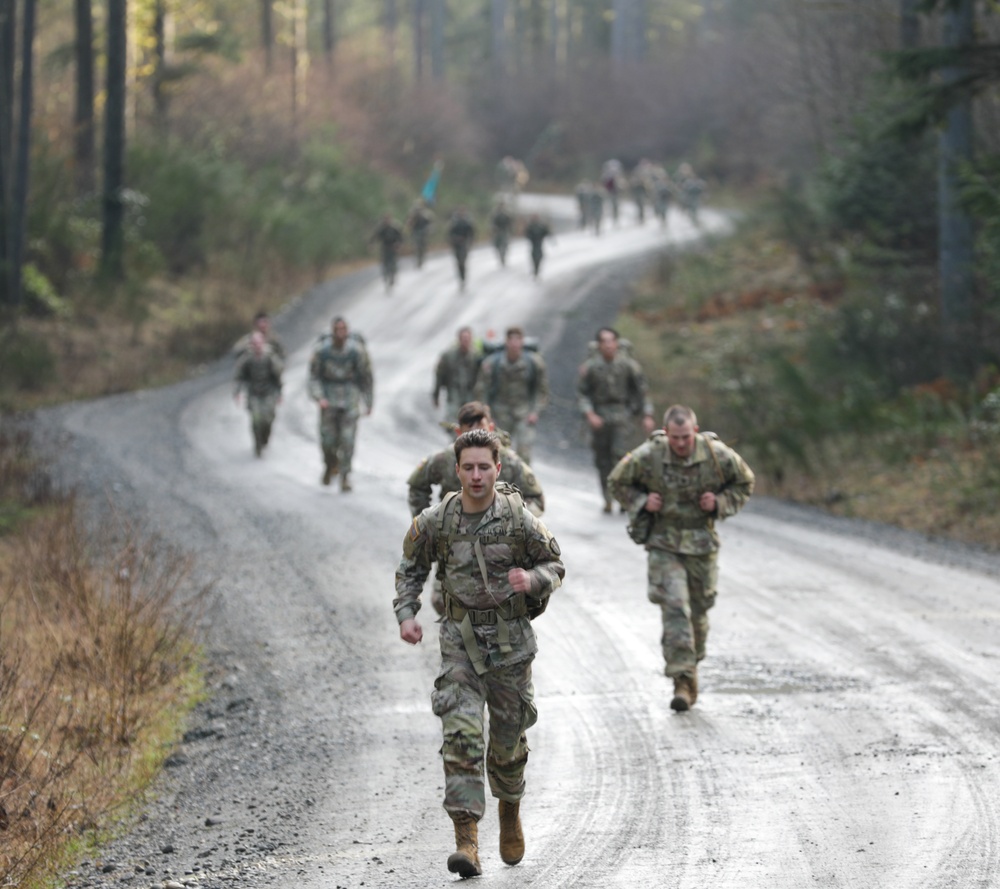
column 464, row 861
column 345, row 483
column 511, row 837
column 685, row 693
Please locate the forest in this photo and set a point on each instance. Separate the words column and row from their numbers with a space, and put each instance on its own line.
column 167, row 166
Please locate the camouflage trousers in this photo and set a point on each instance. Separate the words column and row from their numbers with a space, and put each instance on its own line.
column 337, row 430
column 684, row 587
column 609, row 444
column 458, row 698
column 420, row 246
column 262, row 409
column 521, row 432
column 461, row 258
column 390, row 263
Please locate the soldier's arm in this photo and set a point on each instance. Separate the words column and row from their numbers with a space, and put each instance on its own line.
column 420, row 488
column 315, row 383
column 624, row 483
column 527, row 483
column 239, row 377
column 547, row 570
column 641, row 389
column 414, row 566
column 739, row 482
column 440, row 378
column 366, row 382
column 584, row 390
column 482, row 381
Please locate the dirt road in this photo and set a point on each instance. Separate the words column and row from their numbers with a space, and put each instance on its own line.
column 847, row 732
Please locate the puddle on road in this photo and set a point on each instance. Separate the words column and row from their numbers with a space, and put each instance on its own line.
column 740, row 677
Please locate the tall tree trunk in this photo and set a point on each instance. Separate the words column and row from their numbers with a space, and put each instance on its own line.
column 8, row 45
column 418, row 40
column 909, row 24
column 267, row 33
column 83, row 117
column 300, row 60
column 956, row 233
column 23, row 170
column 161, row 49
column 329, row 32
column 498, row 36
column 113, row 230
column 438, row 14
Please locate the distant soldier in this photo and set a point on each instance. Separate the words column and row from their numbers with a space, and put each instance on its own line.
column 611, row 393
column 612, row 179
column 456, row 373
column 514, row 382
column 261, row 323
column 390, row 237
column 536, row 231
column 438, row 470
column 596, row 208
column 583, row 198
column 259, row 373
column 340, row 381
column 502, row 222
column 662, row 194
column 461, row 236
column 419, row 222
column 639, row 187
column 691, row 189
column 676, row 486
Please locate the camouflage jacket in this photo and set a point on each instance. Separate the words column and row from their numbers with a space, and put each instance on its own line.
column 515, row 388
column 456, row 372
column 682, row 526
column 463, row 576
column 388, row 234
column 461, row 231
column 242, row 347
column 613, row 389
column 419, row 220
column 342, row 376
column 536, row 232
column 439, row 469
column 259, row 375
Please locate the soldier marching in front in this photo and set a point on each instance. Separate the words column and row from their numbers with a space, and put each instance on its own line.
column 340, row 382
column 502, row 223
column 498, row 565
column 390, row 238
column 611, row 393
column 461, row 236
column 536, row 231
column 676, row 486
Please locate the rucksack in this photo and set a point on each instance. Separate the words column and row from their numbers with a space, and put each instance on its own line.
column 496, row 359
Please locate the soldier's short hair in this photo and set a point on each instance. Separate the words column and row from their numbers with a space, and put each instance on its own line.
column 478, row 438
column 610, row 330
column 678, row 415
column 473, row 412
column 259, row 315
column 515, row 331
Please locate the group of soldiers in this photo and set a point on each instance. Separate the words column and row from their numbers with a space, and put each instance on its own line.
column 496, row 564
column 648, row 185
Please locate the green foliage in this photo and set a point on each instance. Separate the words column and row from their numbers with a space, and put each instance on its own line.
column 981, row 196
column 28, row 363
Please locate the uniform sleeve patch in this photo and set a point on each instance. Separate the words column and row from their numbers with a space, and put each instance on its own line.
column 415, row 531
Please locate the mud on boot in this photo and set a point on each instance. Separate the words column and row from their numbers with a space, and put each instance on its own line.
column 511, row 836
column 464, row 861
column 685, row 693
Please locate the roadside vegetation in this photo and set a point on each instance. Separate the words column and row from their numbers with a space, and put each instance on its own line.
column 97, row 667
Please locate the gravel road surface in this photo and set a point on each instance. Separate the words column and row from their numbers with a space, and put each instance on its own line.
column 847, row 730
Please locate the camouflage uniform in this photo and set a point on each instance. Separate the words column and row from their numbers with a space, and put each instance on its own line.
column 260, row 375
column 683, row 544
column 640, row 193
column 583, row 192
column 596, row 208
column 419, row 223
column 456, row 373
column 514, row 390
column 389, row 236
column 242, row 347
column 536, row 231
column 502, row 222
column 616, row 391
column 344, row 378
column 461, row 236
column 487, row 642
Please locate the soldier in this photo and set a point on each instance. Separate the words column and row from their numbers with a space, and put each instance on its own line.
column 596, row 208
column 456, row 373
column 389, row 236
column 675, row 486
column 259, row 372
column 612, row 178
column 583, row 198
column 439, row 469
column 690, row 188
column 499, row 564
column 461, row 236
column 340, row 380
column 536, row 231
column 502, row 222
column 262, row 323
column 611, row 392
column 662, row 193
column 515, row 384
column 419, row 224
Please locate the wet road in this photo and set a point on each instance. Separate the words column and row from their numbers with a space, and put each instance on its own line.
column 848, row 724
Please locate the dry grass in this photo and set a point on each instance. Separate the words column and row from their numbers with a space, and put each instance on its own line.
column 97, row 666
